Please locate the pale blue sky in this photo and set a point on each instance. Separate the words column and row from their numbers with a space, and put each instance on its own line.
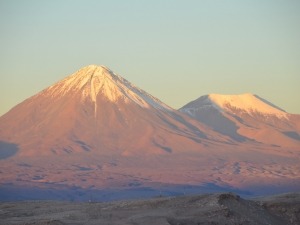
column 175, row 50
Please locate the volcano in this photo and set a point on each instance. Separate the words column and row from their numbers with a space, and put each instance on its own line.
column 97, row 111
column 95, row 132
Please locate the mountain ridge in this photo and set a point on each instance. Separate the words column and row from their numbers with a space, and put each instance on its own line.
column 247, row 102
column 85, row 133
column 245, row 117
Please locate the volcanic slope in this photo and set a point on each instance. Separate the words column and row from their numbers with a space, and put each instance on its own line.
column 95, row 131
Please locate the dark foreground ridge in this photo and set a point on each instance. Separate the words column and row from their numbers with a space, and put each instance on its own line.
column 224, row 208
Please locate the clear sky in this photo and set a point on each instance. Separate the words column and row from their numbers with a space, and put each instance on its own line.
column 175, row 50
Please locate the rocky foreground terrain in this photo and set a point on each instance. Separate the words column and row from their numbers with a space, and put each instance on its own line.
column 224, row 208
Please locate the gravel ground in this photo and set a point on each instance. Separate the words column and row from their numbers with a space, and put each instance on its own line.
column 223, row 208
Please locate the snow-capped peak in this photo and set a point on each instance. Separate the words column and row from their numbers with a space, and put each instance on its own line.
column 94, row 80
column 247, row 102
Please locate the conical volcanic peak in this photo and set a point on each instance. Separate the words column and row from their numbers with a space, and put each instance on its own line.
column 98, row 81
column 80, row 80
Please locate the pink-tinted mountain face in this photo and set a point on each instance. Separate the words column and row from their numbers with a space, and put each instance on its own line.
column 96, row 131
